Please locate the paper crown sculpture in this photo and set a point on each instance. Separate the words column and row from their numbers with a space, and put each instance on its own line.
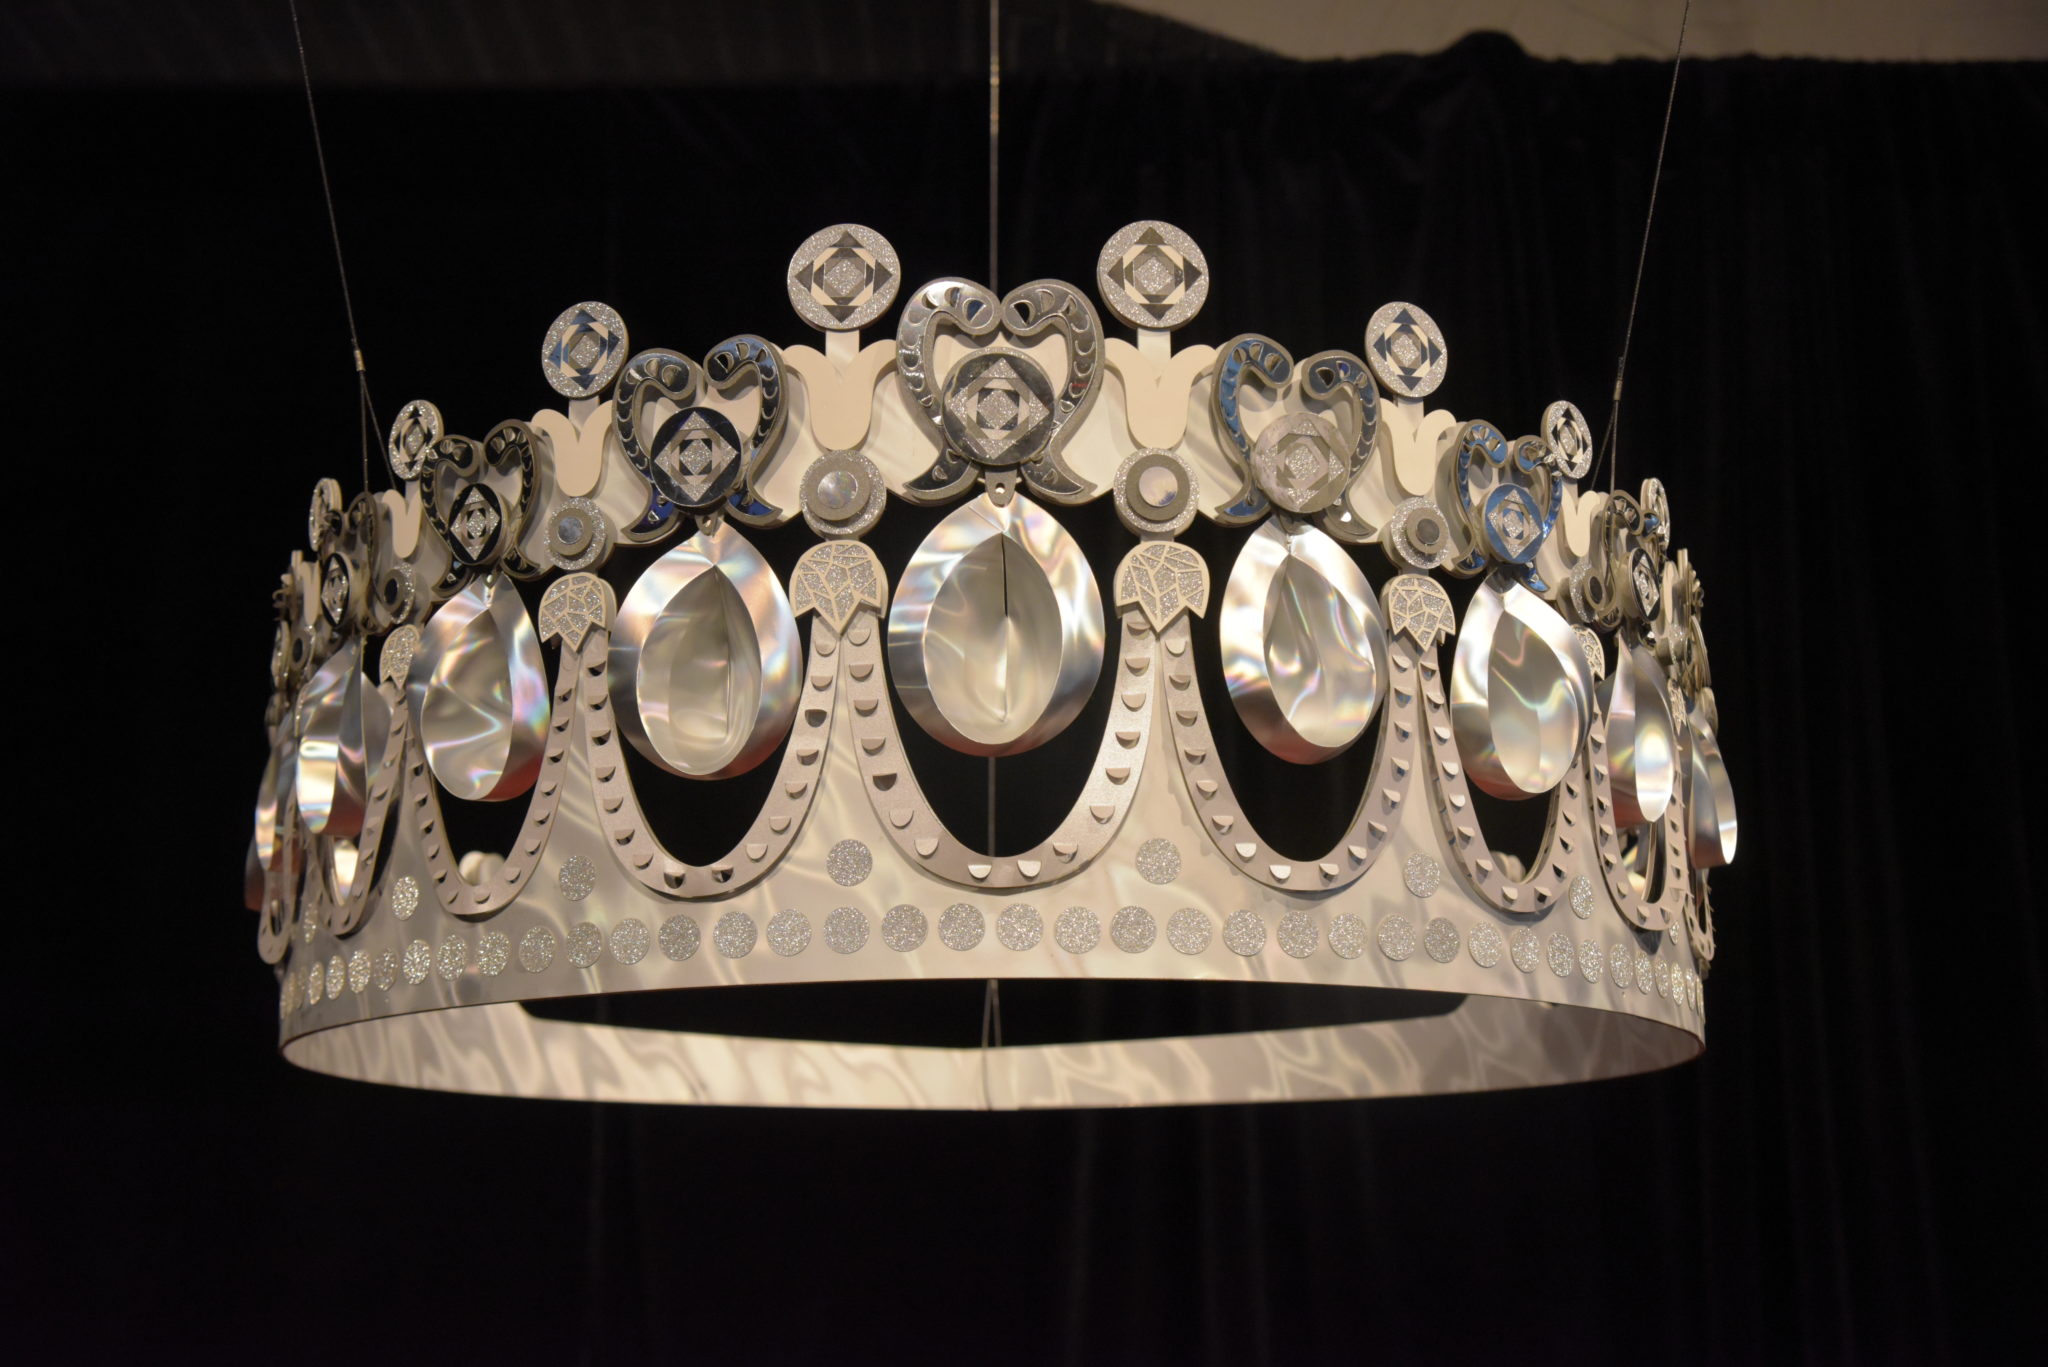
column 1578, row 675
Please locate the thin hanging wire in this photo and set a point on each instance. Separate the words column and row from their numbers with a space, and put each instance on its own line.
column 355, row 341
column 1608, row 438
column 991, row 996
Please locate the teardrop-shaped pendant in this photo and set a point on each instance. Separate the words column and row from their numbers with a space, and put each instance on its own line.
column 478, row 696
column 1709, row 798
column 1304, row 648
column 705, row 666
column 343, row 723
column 1641, row 761
column 1521, row 691
column 995, row 633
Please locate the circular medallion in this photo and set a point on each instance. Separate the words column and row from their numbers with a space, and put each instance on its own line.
column 1406, row 350
column 414, row 433
column 694, row 459
column 842, row 494
column 1418, row 534
column 583, row 350
column 1300, row 463
column 1152, row 275
column 478, row 524
column 578, row 535
column 396, row 592
column 1155, row 493
column 998, row 408
column 323, row 516
column 1567, row 441
column 843, row 278
column 1656, row 513
column 1512, row 523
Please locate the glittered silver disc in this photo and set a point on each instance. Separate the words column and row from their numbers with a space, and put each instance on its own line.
column 1152, row 275
column 1155, row 492
column 842, row 494
column 413, row 435
column 844, row 277
column 584, row 349
column 1406, row 350
column 1567, row 441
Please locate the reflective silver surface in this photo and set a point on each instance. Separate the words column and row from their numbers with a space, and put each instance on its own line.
column 1641, row 740
column 342, row 725
column 1304, row 649
column 1152, row 275
column 478, row 697
column 1520, row 691
column 996, row 630
column 844, row 277
column 704, row 658
column 1709, row 797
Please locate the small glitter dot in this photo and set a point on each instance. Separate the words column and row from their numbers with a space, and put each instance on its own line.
column 316, row 979
column 359, row 972
column 1440, row 940
column 452, row 959
column 1663, row 972
column 849, row 863
column 1078, row 930
column 1020, row 927
column 418, row 962
column 1589, row 961
column 493, row 951
column 1348, row 936
column 287, row 995
column 629, row 940
column 385, row 973
column 537, row 949
column 1484, row 944
column 1620, row 968
column 1159, row 861
column 1582, row 897
column 789, row 932
column 1188, row 930
column 337, row 976
column 1244, row 933
column 903, row 928
column 586, row 944
column 680, row 937
column 1692, row 990
column 1133, row 930
column 1644, row 983
column 846, row 930
column 404, row 898
column 734, row 935
column 960, row 926
column 1296, row 935
column 309, row 922
column 1560, row 956
column 1525, row 949
column 578, row 878
column 1397, row 937
column 1424, row 874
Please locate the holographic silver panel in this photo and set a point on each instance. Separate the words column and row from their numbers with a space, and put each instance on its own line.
column 1520, row 691
column 478, row 697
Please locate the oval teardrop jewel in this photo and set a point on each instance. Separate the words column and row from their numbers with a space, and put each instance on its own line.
column 1641, row 759
column 478, row 697
column 995, row 633
column 343, row 724
column 1304, row 649
column 1709, row 798
column 1521, row 691
column 705, row 659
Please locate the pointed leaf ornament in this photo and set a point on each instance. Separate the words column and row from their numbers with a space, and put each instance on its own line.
column 836, row 580
column 1163, row 579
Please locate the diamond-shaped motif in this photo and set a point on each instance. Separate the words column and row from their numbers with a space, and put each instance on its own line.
column 997, row 406
column 476, row 522
column 697, row 456
column 1152, row 275
column 842, row 278
column 1297, row 463
column 1406, row 350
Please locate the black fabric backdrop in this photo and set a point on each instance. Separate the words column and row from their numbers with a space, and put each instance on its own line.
column 1837, row 375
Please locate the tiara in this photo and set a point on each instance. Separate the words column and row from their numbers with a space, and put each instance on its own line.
column 412, row 681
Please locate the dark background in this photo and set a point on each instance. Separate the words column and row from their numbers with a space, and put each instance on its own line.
column 1837, row 373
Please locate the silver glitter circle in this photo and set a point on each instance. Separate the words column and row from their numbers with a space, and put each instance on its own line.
column 404, row 897
column 1582, row 897
column 829, row 487
column 359, row 972
column 1133, row 930
column 1620, row 968
column 1440, row 940
column 1663, row 973
column 578, row 878
column 873, row 275
column 1525, row 949
column 1406, row 351
column 418, row 962
column 789, row 932
column 1397, row 937
column 849, row 863
column 1152, row 275
column 1644, row 983
column 679, row 936
column 1567, row 441
column 1144, row 515
column 309, row 924
column 384, row 974
column 1559, row 954
column 903, row 928
column 734, row 934
column 316, row 979
column 846, row 930
column 1078, row 930
column 1020, row 927
column 582, row 367
column 1422, row 874
column 1589, row 961
column 416, row 428
column 1188, row 930
column 583, row 553
column 1159, row 861
column 1244, row 933
column 1348, row 936
column 536, row 949
column 1296, row 935
column 1692, row 989
column 586, row 944
column 961, row 926
column 337, row 976
column 452, row 959
column 493, row 952
column 287, row 995
column 1483, row 943
column 629, row 940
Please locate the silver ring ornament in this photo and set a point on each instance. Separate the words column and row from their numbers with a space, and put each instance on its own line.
column 413, row 434
column 578, row 535
column 1406, row 349
column 842, row 494
column 1567, row 441
column 844, row 277
column 1418, row 535
column 1155, row 493
column 1521, row 691
column 583, row 349
column 1152, row 275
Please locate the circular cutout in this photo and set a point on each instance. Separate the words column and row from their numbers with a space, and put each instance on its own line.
column 1406, row 350
column 1155, row 492
column 1152, row 275
column 844, row 277
column 583, row 350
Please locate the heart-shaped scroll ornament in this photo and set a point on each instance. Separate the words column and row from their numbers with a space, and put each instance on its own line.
column 1301, row 462
column 480, row 494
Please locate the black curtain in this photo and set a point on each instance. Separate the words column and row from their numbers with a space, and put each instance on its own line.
column 1837, row 372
